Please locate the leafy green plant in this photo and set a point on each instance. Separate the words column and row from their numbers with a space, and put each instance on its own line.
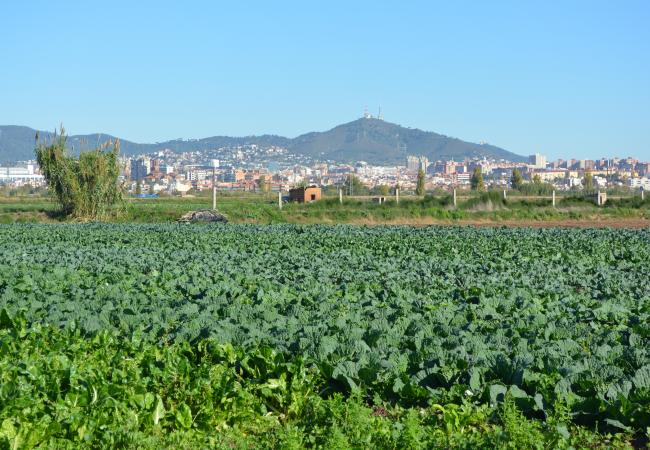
column 316, row 336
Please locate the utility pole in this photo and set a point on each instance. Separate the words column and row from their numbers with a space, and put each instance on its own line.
column 215, row 164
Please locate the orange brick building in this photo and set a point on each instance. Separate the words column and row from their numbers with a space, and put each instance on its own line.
column 305, row 194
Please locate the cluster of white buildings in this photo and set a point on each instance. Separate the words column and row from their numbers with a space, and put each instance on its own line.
column 562, row 174
column 21, row 175
column 640, row 183
column 174, row 173
column 605, row 172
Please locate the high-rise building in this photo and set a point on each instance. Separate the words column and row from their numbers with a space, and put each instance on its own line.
column 154, row 166
column 643, row 169
column 424, row 163
column 139, row 169
column 416, row 163
column 450, row 167
column 412, row 163
column 537, row 161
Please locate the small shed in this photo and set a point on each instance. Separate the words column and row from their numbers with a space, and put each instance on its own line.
column 305, row 194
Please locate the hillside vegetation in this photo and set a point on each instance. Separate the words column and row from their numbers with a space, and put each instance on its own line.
column 371, row 140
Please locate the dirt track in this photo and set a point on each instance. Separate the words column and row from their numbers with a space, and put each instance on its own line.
column 607, row 223
column 562, row 223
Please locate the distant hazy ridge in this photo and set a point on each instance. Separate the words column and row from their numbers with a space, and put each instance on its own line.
column 372, row 140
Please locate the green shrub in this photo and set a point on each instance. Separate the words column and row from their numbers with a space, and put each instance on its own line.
column 85, row 187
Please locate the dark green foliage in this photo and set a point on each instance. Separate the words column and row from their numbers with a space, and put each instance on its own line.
column 486, row 200
column 354, row 186
column 432, row 201
column 382, row 189
column 408, row 316
column 85, row 187
column 476, row 181
column 577, row 199
column 59, row 389
column 420, row 188
column 630, row 202
column 264, row 184
column 516, row 181
column 536, row 188
column 588, row 182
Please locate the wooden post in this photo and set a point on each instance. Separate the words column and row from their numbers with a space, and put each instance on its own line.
column 397, row 196
column 554, row 198
column 280, row 199
column 341, row 196
column 642, row 193
column 454, row 197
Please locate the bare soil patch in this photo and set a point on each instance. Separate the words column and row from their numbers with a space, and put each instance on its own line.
column 624, row 222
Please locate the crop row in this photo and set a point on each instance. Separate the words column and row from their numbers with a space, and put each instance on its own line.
column 411, row 316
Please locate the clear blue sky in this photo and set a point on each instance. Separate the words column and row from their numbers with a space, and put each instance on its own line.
column 566, row 78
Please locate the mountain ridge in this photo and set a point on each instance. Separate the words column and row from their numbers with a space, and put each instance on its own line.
column 367, row 139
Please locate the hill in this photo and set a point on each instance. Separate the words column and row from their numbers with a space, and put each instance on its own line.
column 371, row 140
column 380, row 142
column 17, row 143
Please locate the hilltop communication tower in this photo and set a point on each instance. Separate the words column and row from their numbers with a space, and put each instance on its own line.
column 367, row 115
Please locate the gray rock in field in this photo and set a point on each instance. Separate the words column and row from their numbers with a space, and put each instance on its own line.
column 203, row 215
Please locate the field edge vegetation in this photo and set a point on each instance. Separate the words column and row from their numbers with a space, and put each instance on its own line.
column 62, row 389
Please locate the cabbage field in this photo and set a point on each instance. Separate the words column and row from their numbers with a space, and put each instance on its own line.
column 284, row 336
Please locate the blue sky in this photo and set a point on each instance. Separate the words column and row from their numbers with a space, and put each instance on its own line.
column 566, row 78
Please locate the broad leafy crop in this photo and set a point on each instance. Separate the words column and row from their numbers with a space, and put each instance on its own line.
column 547, row 319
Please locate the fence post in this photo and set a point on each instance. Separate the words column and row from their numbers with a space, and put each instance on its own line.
column 280, row 199
column 642, row 193
column 340, row 196
column 214, row 187
column 554, row 198
column 396, row 196
column 454, row 197
column 504, row 195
